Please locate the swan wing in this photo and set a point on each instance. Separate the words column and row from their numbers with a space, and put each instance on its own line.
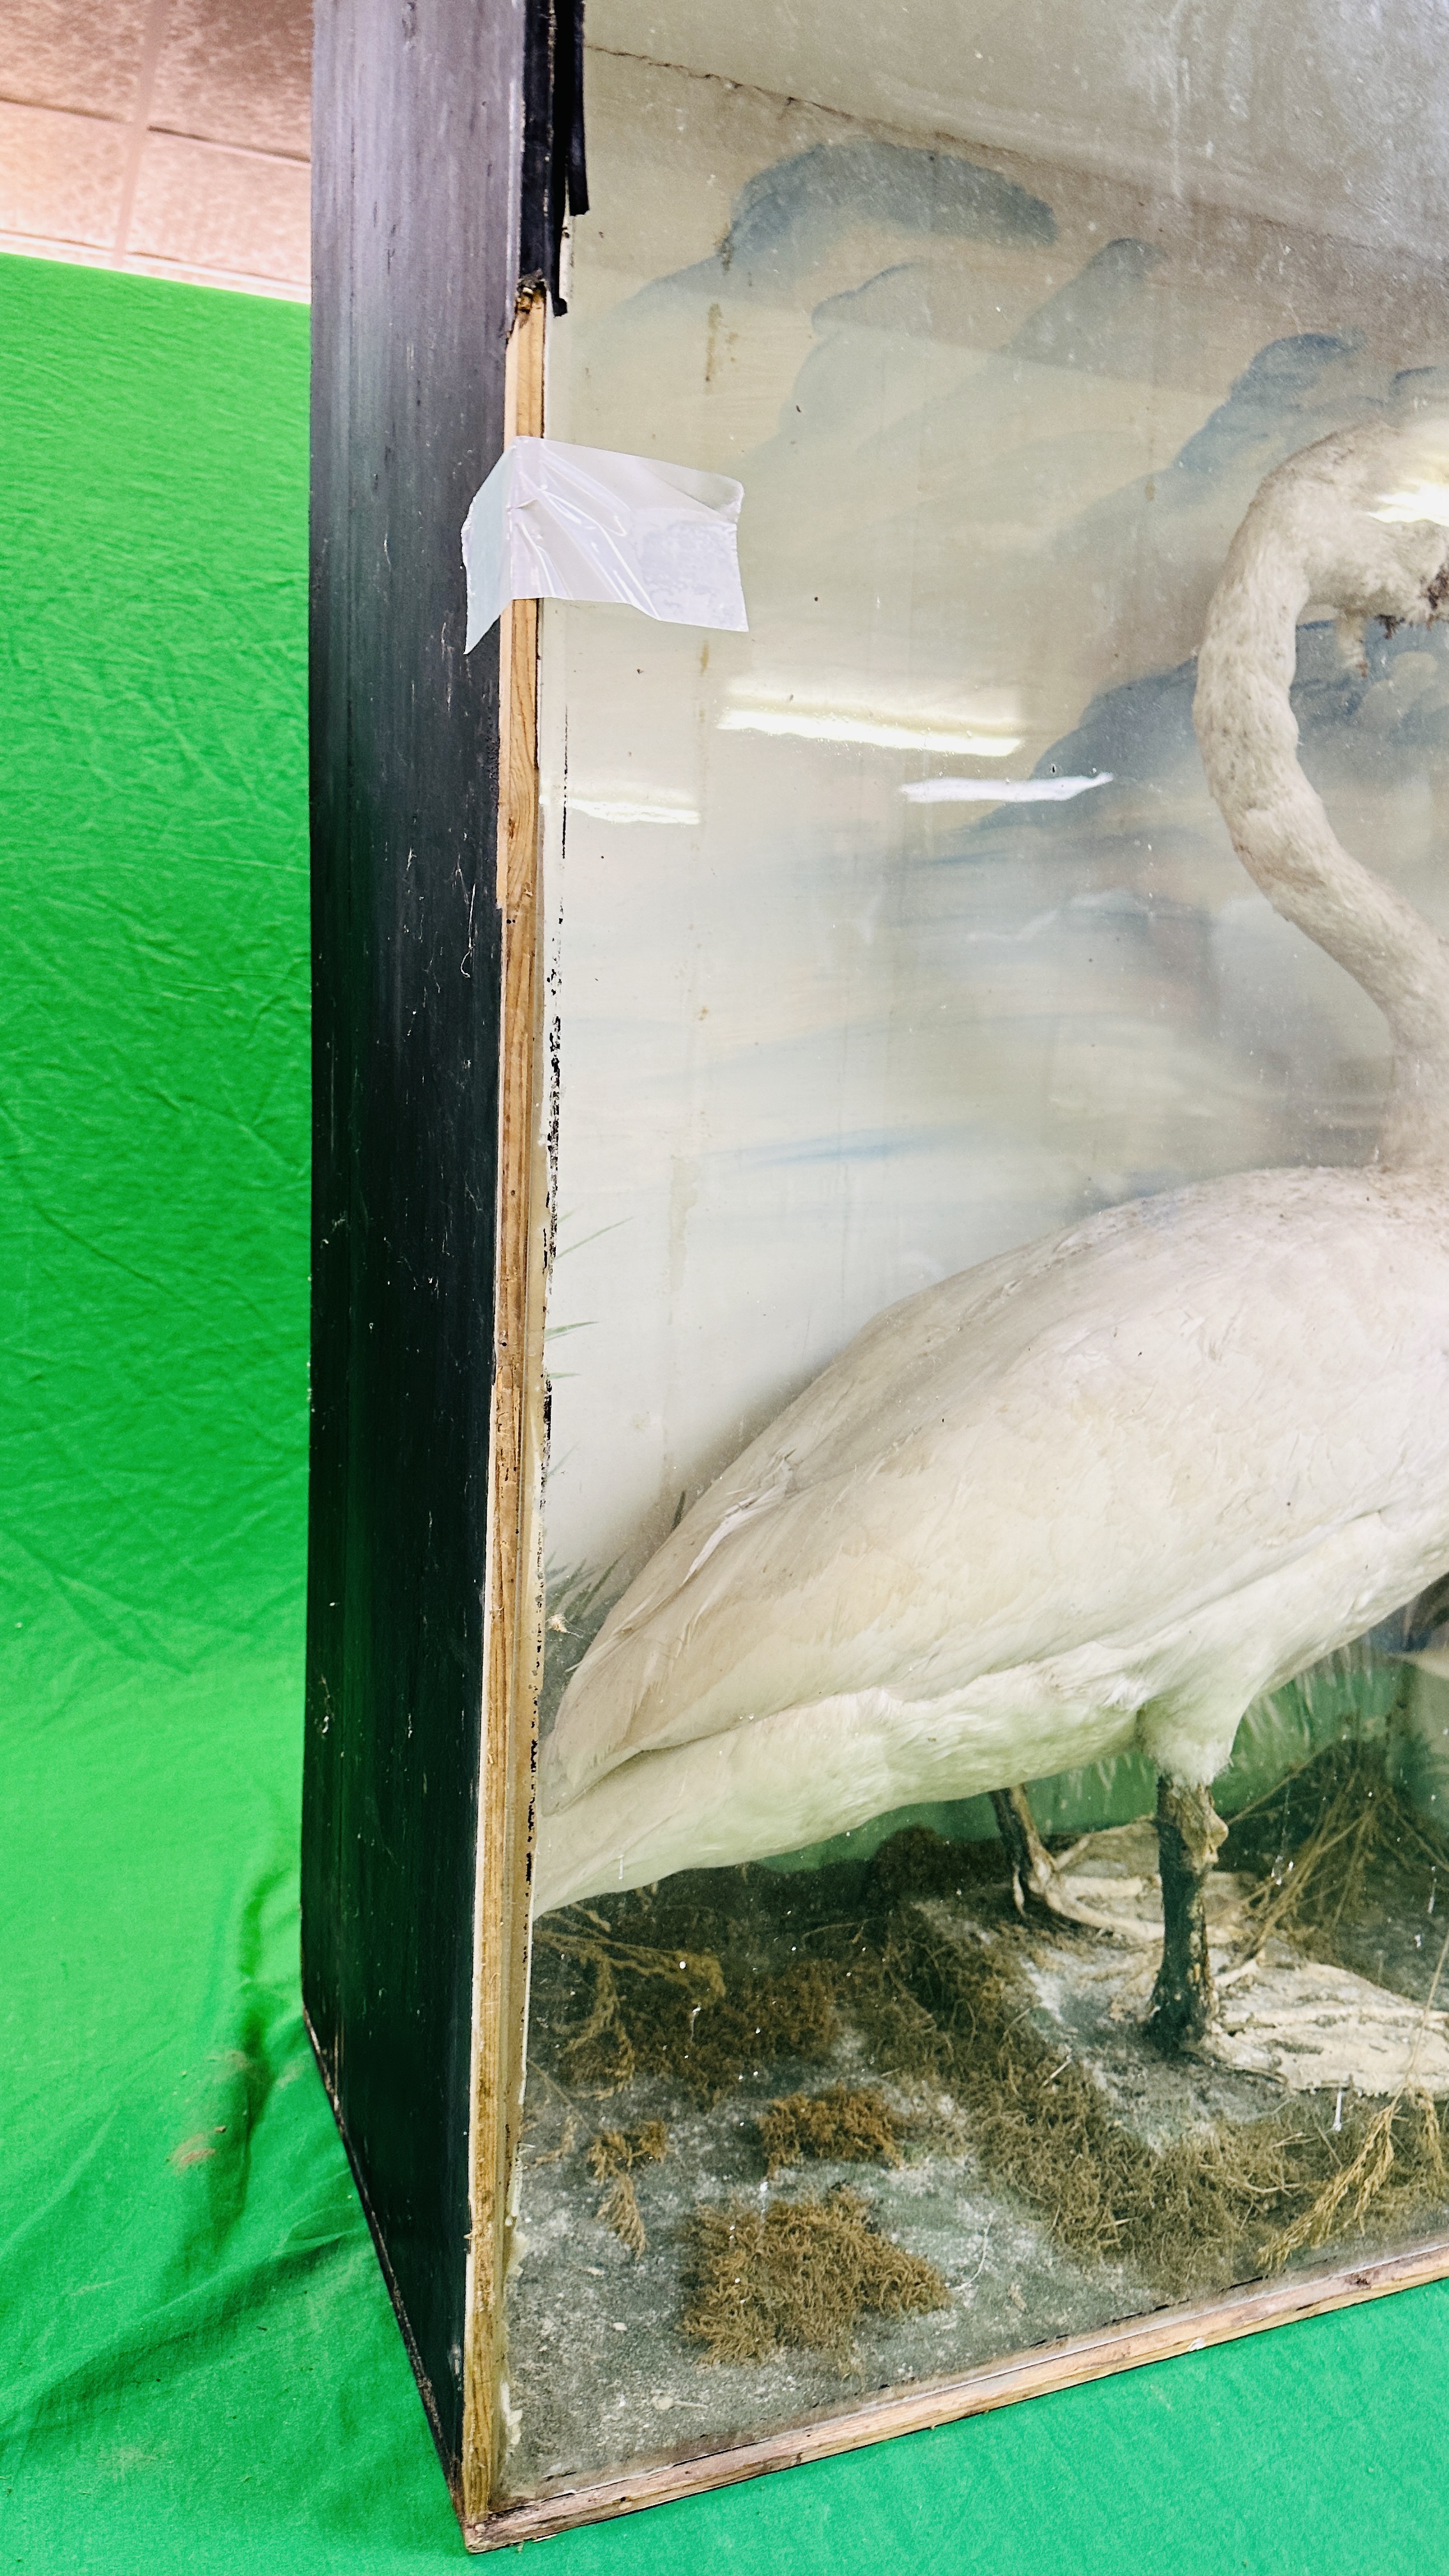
column 1082, row 1442
column 836, row 1423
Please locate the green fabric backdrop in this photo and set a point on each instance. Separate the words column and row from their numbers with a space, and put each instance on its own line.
column 198, row 2365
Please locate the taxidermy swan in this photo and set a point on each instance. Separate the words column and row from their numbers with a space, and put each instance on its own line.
column 1105, row 1490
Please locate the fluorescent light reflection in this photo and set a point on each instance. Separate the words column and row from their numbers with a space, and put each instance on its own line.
column 879, row 733
column 624, row 809
column 1001, row 791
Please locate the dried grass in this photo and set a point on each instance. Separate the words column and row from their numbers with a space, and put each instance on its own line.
column 1332, row 1846
column 1229, row 2201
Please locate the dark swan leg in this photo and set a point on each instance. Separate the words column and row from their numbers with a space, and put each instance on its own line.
column 1038, row 1885
column 1027, row 1856
column 1189, row 1832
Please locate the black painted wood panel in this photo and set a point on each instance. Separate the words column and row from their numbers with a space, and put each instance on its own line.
column 417, row 141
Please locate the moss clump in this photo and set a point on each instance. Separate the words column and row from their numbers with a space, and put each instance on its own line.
column 802, row 2272
column 876, row 1994
column 635, row 1992
column 756, row 2023
column 612, row 2157
column 656, row 2010
column 918, row 1862
column 619, row 2211
column 617, row 2151
column 841, row 2125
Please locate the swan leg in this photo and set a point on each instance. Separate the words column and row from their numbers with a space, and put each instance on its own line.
column 1027, row 1856
column 1189, row 1833
column 1035, row 1877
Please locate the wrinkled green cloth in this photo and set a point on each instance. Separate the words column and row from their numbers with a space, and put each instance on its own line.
column 199, row 2369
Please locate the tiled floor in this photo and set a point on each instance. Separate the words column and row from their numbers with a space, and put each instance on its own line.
column 169, row 136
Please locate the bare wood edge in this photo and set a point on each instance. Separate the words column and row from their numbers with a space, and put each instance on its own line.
column 513, row 1604
column 1163, row 2336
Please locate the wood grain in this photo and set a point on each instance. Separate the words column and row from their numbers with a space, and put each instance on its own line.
column 1159, row 2337
column 513, row 1612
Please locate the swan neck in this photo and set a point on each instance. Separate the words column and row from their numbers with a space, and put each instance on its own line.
column 1281, row 832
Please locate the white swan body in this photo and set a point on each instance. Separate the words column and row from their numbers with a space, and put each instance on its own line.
column 1105, row 1490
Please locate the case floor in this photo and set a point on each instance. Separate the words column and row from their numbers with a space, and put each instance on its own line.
column 199, row 2368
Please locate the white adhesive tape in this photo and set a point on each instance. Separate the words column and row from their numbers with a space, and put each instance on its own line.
column 560, row 522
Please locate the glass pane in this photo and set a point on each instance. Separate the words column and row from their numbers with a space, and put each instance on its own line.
column 902, row 936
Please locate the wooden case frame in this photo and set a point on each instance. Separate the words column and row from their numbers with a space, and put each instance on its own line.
column 429, row 1214
column 435, row 226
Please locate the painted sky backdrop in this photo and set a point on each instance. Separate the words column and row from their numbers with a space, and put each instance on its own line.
column 821, row 1043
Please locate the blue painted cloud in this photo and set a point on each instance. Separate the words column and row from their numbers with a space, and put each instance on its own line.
column 788, row 217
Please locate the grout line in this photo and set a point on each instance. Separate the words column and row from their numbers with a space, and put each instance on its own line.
column 152, row 44
column 61, row 107
column 248, row 151
column 182, row 133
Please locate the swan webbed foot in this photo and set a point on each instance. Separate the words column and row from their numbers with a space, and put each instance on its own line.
column 1189, row 1834
column 1038, row 1883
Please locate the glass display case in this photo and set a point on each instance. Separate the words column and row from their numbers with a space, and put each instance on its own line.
column 989, row 1119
